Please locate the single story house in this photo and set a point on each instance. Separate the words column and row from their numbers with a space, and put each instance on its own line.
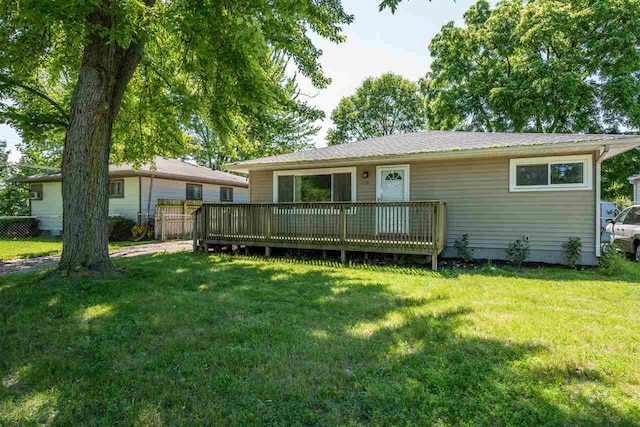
column 129, row 189
column 635, row 181
column 495, row 187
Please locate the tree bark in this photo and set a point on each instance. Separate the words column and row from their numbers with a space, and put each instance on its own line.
column 104, row 74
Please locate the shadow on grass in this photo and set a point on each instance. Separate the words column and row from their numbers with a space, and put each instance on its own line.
column 630, row 270
column 188, row 339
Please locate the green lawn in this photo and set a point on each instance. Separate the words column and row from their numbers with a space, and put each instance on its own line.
column 191, row 339
column 34, row 247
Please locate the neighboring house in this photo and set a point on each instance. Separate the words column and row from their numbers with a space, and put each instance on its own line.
column 497, row 187
column 635, row 181
column 129, row 189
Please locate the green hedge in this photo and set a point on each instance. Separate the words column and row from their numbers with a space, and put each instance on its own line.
column 120, row 228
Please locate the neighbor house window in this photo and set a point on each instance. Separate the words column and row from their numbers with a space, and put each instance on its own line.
column 226, row 194
column 116, row 188
column 551, row 173
column 35, row 192
column 315, row 185
column 194, row 192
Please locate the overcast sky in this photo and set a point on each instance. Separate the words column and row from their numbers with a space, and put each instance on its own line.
column 377, row 42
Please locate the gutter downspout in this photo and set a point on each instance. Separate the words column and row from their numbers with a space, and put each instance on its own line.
column 599, row 161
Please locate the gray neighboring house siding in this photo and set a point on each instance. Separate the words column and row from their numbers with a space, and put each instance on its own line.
column 480, row 204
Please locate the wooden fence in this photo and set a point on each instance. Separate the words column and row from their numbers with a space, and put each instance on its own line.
column 174, row 218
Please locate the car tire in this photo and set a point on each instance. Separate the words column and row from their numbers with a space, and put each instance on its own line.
column 637, row 252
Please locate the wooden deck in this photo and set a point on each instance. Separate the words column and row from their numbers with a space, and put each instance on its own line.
column 389, row 227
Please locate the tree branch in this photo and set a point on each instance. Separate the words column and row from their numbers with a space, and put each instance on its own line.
column 10, row 82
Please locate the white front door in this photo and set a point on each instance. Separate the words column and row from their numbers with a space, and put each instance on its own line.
column 392, row 185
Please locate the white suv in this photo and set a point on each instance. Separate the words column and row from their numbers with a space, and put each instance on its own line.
column 625, row 230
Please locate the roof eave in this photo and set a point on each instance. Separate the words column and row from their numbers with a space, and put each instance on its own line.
column 476, row 153
column 132, row 173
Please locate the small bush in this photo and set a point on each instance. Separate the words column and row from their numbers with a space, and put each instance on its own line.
column 138, row 230
column 611, row 261
column 19, row 228
column 572, row 251
column 517, row 252
column 462, row 247
column 120, row 228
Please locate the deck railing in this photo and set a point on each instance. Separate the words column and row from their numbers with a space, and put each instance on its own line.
column 394, row 227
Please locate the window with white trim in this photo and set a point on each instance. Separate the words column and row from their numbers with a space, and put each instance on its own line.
column 116, row 189
column 35, row 191
column 315, row 185
column 551, row 173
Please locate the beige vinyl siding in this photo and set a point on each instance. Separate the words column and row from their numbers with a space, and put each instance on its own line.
column 479, row 203
column 261, row 186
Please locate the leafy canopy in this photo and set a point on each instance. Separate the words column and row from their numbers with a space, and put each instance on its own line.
column 281, row 128
column 213, row 60
column 540, row 66
column 380, row 106
column 13, row 197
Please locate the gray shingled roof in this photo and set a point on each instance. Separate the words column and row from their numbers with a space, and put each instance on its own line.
column 164, row 168
column 430, row 142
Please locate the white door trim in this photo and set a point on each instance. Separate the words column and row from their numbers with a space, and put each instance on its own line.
column 384, row 214
column 407, row 181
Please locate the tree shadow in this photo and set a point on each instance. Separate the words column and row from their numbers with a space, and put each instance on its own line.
column 188, row 339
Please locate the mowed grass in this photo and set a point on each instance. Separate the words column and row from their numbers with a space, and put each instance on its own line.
column 35, row 247
column 192, row 339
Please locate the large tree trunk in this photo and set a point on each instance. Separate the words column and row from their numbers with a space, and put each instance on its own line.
column 104, row 74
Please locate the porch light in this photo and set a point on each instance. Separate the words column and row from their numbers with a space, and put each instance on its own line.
column 365, row 174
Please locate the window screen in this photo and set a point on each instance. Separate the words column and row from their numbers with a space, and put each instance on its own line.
column 194, row 192
column 285, row 188
column 342, row 187
column 116, row 188
column 226, row 194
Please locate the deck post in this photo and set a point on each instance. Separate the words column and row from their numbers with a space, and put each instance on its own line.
column 324, row 254
column 395, row 257
column 267, row 251
column 343, row 234
column 434, row 261
column 366, row 257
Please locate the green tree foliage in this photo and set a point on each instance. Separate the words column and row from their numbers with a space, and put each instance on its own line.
column 541, row 66
column 13, row 197
column 286, row 126
column 615, row 174
column 380, row 106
